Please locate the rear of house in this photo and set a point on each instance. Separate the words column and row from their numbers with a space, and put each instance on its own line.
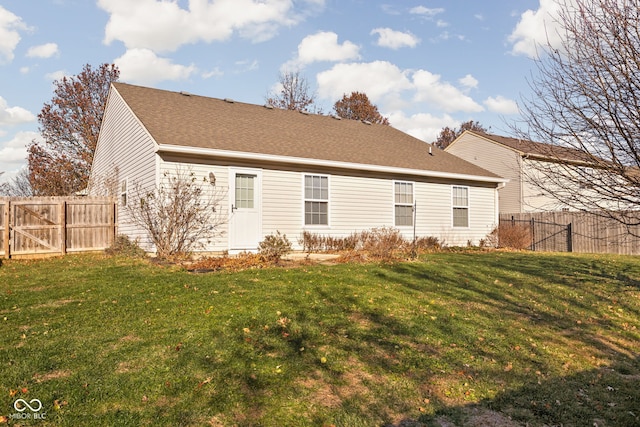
column 279, row 170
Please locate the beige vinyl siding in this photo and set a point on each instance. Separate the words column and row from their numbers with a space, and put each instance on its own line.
column 282, row 204
column 219, row 193
column 125, row 151
column 359, row 203
column 434, row 213
column 536, row 199
column 495, row 158
column 362, row 203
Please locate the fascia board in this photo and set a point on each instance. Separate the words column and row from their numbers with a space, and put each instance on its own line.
column 241, row 155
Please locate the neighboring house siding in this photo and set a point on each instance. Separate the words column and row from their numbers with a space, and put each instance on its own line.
column 497, row 159
column 125, row 151
column 535, row 199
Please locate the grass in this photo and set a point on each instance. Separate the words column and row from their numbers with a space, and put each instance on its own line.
column 542, row 339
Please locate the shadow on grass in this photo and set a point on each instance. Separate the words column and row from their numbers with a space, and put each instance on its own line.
column 599, row 397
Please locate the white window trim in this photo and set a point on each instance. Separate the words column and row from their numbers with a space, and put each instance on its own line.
column 124, row 194
column 394, row 204
column 468, row 207
column 304, row 200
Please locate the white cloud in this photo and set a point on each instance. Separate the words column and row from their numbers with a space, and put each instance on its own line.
column 385, row 84
column 56, row 75
column 145, row 67
column 216, row 72
column 43, row 51
column 322, row 46
column 432, row 90
column 395, row 39
column 14, row 153
column 501, row 105
column 10, row 25
column 425, row 11
column 469, row 81
column 423, row 126
column 536, row 29
column 163, row 26
column 377, row 79
column 10, row 116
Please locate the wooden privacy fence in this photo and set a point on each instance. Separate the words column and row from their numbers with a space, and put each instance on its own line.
column 39, row 226
column 576, row 232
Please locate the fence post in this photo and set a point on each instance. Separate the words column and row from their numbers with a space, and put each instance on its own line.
column 533, row 234
column 7, row 228
column 569, row 237
column 63, row 229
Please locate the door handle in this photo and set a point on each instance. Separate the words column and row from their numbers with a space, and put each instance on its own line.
column 233, row 208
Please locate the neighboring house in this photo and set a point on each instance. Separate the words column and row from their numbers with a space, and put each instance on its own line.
column 288, row 171
column 519, row 161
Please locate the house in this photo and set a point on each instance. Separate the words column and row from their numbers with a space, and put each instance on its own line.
column 289, row 171
column 523, row 163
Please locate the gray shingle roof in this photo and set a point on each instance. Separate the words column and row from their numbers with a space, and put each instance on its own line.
column 538, row 149
column 188, row 120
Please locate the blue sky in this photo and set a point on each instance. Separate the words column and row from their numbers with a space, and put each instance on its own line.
column 426, row 63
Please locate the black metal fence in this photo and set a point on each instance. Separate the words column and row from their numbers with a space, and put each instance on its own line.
column 576, row 232
column 545, row 236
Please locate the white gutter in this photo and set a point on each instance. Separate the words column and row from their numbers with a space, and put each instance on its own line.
column 242, row 155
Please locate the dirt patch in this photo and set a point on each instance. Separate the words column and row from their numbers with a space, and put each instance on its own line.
column 480, row 417
column 54, row 375
column 55, row 304
column 321, row 393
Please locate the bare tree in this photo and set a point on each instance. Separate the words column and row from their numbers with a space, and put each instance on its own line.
column 18, row 186
column 180, row 215
column 586, row 97
column 294, row 93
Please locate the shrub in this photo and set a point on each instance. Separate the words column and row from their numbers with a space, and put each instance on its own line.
column 180, row 215
column 429, row 243
column 384, row 243
column 124, row 246
column 241, row 261
column 275, row 246
column 508, row 235
column 318, row 243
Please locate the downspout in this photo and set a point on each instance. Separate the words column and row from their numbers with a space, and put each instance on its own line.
column 521, row 176
column 496, row 199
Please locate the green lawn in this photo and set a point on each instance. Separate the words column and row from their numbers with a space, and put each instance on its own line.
column 543, row 339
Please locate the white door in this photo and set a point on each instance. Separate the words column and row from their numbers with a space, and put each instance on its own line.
column 245, row 216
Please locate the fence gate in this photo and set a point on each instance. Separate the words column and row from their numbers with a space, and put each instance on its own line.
column 37, row 227
column 30, row 227
column 545, row 236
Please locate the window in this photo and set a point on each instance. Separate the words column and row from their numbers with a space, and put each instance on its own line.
column 244, row 191
column 316, row 200
column 123, row 192
column 460, row 205
column 403, row 203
